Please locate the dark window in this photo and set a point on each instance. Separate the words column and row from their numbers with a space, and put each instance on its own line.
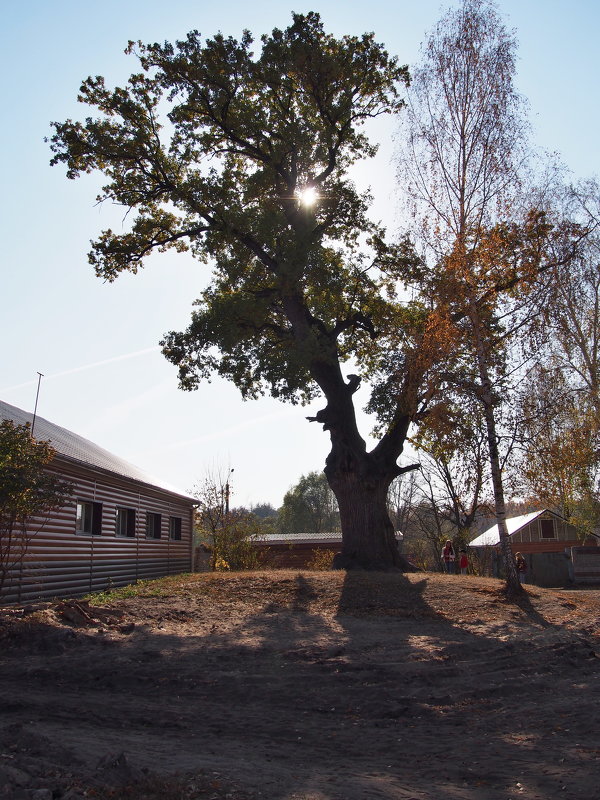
column 175, row 528
column 547, row 528
column 89, row 518
column 125, row 522
column 153, row 524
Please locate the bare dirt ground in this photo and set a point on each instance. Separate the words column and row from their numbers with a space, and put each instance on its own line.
column 305, row 686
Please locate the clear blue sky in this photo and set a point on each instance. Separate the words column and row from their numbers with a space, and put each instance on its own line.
column 97, row 343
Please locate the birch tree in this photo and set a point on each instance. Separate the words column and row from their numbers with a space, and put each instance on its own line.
column 461, row 167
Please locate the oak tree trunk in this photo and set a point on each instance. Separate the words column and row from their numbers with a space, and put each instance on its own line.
column 360, row 481
column 369, row 540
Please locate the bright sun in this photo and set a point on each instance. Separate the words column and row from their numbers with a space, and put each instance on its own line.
column 308, row 196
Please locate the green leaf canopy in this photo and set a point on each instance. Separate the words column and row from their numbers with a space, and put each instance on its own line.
column 211, row 147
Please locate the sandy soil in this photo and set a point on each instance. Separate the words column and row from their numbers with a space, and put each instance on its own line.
column 305, row 686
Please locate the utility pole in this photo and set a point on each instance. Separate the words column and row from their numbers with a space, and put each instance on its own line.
column 40, row 376
column 227, row 493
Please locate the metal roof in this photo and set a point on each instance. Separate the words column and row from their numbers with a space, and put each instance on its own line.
column 306, row 538
column 76, row 448
column 491, row 537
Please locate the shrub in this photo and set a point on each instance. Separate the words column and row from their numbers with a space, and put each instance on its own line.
column 321, row 559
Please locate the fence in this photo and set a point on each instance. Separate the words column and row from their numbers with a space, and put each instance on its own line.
column 579, row 565
column 585, row 564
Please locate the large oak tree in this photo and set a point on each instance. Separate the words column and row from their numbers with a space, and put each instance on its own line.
column 249, row 172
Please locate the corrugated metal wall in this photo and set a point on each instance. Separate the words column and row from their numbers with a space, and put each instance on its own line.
column 62, row 562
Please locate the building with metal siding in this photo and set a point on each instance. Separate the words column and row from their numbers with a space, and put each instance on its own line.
column 122, row 524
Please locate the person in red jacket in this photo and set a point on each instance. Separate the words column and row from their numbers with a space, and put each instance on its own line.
column 463, row 562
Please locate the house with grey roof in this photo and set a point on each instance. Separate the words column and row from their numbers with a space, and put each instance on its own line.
column 121, row 524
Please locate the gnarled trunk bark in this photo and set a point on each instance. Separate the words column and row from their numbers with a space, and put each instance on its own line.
column 359, row 479
column 368, row 538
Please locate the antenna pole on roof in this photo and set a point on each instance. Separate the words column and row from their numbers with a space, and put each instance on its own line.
column 36, row 402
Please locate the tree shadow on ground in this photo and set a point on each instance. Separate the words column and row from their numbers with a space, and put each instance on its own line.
column 381, row 697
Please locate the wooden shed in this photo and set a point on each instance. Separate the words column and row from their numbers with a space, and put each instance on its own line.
column 537, row 532
column 120, row 526
column 549, row 545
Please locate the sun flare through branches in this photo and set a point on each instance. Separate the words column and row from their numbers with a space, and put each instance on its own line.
column 308, row 196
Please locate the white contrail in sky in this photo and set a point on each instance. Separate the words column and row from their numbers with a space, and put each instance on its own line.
column 84, row 367
column 223, row 433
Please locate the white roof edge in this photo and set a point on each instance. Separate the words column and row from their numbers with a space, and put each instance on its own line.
column 491, row 536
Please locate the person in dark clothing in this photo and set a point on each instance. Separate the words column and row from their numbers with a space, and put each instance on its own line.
column 448, row 556
column 521, row 567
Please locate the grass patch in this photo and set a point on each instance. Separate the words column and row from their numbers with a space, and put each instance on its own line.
column 158, row 587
